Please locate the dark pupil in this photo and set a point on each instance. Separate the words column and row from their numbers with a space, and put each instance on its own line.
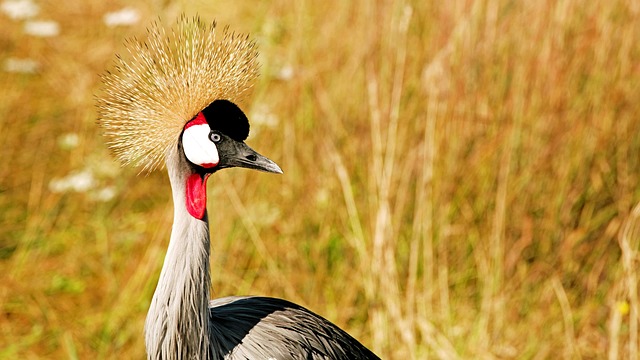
column 214, row 137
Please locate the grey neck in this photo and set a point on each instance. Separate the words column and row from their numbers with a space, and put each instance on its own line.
column 177, row 325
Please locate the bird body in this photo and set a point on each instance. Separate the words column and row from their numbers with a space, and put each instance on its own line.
column 197, row 129
column 262, row 327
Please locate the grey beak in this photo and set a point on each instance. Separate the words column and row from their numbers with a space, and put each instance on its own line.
column 248, row 158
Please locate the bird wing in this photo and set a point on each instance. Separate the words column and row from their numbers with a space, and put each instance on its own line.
column 270, row 328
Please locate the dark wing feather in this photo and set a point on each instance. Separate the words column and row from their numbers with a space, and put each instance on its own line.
column 270, row 328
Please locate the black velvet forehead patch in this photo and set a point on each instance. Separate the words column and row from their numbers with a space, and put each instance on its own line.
column 226, row 117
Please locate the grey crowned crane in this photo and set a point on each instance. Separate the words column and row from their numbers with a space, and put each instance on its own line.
column 174, row 100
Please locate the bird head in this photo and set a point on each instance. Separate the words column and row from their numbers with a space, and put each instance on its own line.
column 214, row 140
column 178, row 90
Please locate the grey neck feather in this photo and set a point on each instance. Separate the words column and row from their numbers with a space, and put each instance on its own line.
column 177, row 325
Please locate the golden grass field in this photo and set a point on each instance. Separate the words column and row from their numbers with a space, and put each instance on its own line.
column 460, row 178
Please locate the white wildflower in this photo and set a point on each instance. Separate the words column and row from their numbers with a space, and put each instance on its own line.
column 286, row 73
column 42, row 28
column 19, row 9
column 105, row 194
column 68, row 141
column 22, row 66
column 82, row 181
column 79, row 181
column 124, row 17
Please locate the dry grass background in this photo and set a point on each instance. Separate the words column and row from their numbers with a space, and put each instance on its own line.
column 460, row 179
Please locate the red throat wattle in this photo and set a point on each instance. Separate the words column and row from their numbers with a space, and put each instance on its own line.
column 196, row 200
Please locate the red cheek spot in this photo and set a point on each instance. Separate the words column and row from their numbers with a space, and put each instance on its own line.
column 198, row 120
column 208, row 165
column 196, row 200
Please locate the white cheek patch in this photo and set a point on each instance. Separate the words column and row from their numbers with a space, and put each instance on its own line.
column 198, row 148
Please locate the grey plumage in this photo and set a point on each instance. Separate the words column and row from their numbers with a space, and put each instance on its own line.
column 255, row 327
column 182, row 323
column 177, row 324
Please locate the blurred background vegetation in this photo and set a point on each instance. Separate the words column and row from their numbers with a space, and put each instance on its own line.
column 460, row 177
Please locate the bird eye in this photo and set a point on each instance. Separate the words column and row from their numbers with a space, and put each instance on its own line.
column 215, row 137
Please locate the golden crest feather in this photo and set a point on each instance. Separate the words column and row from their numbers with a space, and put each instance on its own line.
column 166, row 81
